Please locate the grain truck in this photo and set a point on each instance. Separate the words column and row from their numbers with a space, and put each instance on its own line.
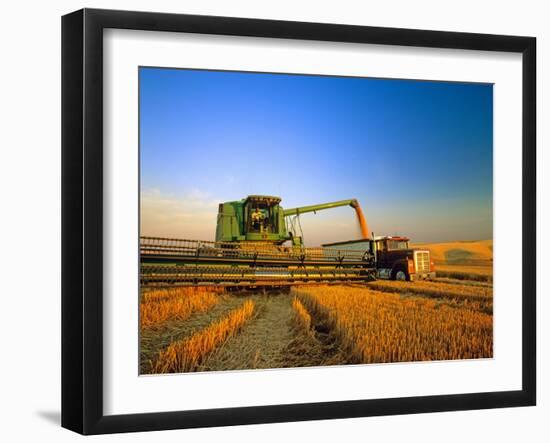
column 393, row 257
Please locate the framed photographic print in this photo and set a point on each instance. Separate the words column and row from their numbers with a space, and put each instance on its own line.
column 269, row 221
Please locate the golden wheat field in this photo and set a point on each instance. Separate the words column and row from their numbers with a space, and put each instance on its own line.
column 208, row 329
column 378, row 327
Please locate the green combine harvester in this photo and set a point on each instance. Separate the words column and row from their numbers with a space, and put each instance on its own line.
column 258, row 243
column 261, row 219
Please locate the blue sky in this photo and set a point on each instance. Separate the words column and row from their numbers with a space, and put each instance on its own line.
column 416, row 154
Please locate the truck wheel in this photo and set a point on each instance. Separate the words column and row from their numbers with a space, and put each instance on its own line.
column 400, row 275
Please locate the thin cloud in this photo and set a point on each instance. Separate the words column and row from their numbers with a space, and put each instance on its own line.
column 191, row 215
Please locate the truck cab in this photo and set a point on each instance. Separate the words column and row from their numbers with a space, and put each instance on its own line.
column 396, row 260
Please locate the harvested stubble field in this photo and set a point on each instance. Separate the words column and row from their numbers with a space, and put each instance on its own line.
column 207, row 329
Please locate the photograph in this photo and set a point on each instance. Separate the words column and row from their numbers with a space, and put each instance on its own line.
column 291, row 220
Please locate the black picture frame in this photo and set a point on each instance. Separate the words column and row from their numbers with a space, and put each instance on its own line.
column 82, row 219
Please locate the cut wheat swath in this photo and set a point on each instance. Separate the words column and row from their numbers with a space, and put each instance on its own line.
column 159, row 306
column 185, row 355
column 302, row 319
column 154, row 295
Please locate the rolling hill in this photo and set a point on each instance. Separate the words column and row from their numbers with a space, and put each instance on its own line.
column 460, row 252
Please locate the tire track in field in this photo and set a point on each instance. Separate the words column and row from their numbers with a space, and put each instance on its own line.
column 262, row 342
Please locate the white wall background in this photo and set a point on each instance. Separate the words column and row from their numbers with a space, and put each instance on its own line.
column 30, row 218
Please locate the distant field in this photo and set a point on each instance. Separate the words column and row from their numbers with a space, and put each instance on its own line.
column 476, row 253
column 469, row 273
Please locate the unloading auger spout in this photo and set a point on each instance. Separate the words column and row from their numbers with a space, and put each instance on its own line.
column 352, row 202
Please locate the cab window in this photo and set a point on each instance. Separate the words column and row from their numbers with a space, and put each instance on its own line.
column 397, row 244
